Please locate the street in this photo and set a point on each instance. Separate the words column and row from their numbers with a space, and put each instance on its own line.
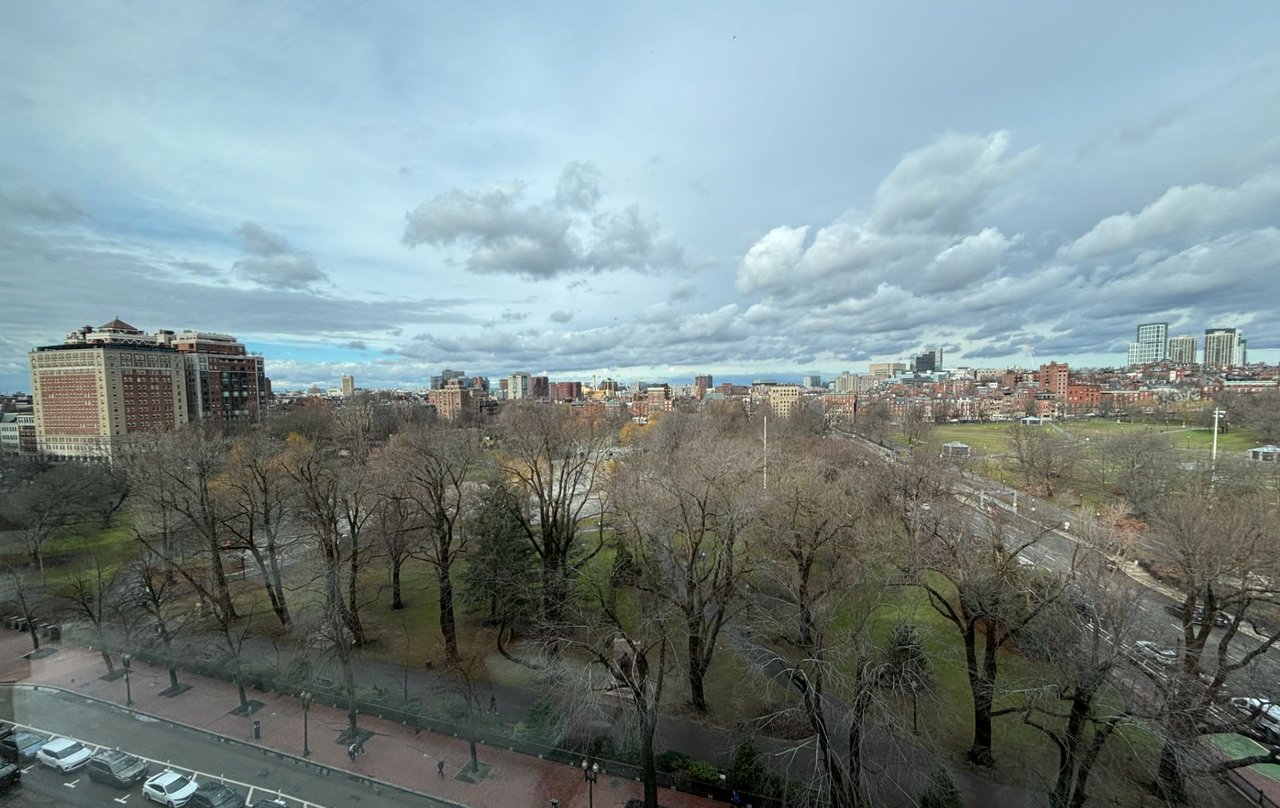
column 255, row 772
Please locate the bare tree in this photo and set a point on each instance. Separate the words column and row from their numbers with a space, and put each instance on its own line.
column 53, row 501
column 821, row 529
column 686, row 501
column 975, row 579
column 437, row 467
column 91, row 594
column 262, row 501
column 554, row 458
column 1043, row 456
column 1220, row 542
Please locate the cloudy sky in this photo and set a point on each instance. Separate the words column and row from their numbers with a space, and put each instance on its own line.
column 645, row 191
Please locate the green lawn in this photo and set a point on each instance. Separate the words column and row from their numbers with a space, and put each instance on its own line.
column 1238, row 746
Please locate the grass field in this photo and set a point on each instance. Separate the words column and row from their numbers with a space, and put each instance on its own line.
column 1238, row 746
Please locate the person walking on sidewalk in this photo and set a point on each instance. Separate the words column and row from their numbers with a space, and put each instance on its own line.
column 359, row 745
column 440, row 767
column 351, row 752
column 493, row 704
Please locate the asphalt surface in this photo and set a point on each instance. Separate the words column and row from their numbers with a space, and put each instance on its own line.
column 255, row 772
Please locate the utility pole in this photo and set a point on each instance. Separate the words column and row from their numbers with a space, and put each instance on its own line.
column 766, row 451
column 1217, row 413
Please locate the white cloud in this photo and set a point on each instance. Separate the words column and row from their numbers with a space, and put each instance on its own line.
column 1185, row 212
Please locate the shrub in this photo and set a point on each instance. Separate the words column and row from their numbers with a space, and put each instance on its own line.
column 672, row 761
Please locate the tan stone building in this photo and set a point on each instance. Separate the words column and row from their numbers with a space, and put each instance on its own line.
column 101, row 385
column 783, row 398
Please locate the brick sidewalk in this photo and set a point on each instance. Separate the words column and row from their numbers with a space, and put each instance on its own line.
column 395, row 754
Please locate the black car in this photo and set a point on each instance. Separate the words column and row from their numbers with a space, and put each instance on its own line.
column 116, row 768
column 21, row 746
column 9, row 776
column 215, row 795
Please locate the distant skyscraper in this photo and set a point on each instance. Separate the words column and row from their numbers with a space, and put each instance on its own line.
column 1223, row 348
column 701, row 384
column 812, row 381
column 518, row 386
column 348, row 386
column 1182, row 350
column 1152, row 344
column 926, row 362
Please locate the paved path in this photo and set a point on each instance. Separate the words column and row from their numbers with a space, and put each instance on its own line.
column 395, row 754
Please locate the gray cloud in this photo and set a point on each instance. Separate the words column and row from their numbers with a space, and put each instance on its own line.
column 31, row 203
column 273, row 261
column 505, row 235
column 356, row 345
column 579, row 186
column 560, row 316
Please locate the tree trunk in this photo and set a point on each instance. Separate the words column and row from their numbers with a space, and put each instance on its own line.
column 111, row 666
column 270, row 571
column 648, row 763
column 1171, row 776
column 397, row 601
column 448, row 625
column 981, row 686
column 697, row 672
column 349, row 685
column 173, row 678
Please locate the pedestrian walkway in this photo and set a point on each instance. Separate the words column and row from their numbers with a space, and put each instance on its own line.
column 394, row 754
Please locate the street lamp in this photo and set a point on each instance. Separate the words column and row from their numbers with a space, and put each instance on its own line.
column 306, row 710
column 128, row 689
column 590, row 770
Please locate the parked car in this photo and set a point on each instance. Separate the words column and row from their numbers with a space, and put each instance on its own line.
column 119, row 769
column 215, row 795
column 10, row 776
column 1164, row 656
column 1267, row 713
column 64, row 754
column 270, row 802
column 21, row 746
column 169, row 788
column 1220, row 619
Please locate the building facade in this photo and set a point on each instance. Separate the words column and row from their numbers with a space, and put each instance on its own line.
column 101, row 385
column 1223, row 348
column 1152, row 344
column 348, row 386
column 1182, row 350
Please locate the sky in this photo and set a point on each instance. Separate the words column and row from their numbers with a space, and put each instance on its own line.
column 639, row 191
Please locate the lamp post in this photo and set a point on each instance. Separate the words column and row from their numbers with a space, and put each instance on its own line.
column 128, row 689
column 306, row 711
column 590, row 770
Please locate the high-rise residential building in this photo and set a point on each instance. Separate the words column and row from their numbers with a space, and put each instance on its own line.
column 348, row 386
column 783, row 398
column 846, row 382
column 1224, row 348
column 658, row 397
column 811, row 382
column 566, row 391
column 451, row 400
column 701, row 384
column 1182, row 350
column 1152, row 344
column 539, row 387
column 101, row 385
column 518, row 386
column 1053, row 378
column 224, row 381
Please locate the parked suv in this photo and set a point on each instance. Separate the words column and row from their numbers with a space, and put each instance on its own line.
column 64, row 754
column 119, row 769
column 21, row 746
column 215, row 795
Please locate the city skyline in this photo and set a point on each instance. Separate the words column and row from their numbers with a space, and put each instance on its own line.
column 735, row 191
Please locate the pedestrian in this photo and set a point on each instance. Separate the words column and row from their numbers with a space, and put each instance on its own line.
column 351, row 751
column 360, row 746
column 736, row 799
column 493, row 704
column 440, row 767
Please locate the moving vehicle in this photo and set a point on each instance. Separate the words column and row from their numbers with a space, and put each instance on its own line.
column 118, row 769
column 64, row 754
column 169, row 788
